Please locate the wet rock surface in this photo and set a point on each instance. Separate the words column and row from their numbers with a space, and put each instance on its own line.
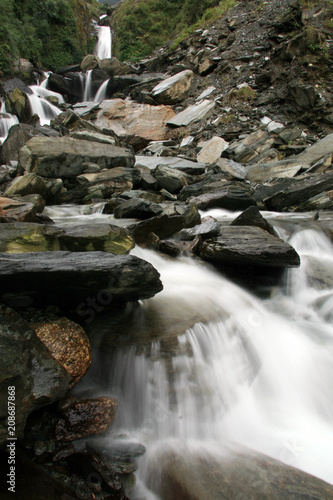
column 35, row 278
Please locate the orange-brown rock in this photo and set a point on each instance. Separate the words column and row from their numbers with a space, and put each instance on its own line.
column 68, row 344
column 85, row 418
column 128, row 118
column 16, row 211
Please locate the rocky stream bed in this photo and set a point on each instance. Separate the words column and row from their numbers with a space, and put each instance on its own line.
column 233, row 120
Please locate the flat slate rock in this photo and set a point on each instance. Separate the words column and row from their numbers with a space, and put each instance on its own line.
column 75, row 280
column 230, row 198
column 249, row 245
column 183, row 164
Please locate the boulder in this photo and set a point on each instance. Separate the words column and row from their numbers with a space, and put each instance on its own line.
column 22, row 67
column 137, row 208
column 231, row 198
column 249, row 246
column 170, row 178
column 128, row 118
column 16, row 211
column 209, row 228
column 85, row 418
column 232, row 168
column 17, row 136
column 183, row 164
column 90, row 62
column 99, row 185
column 298, row 191
column 193, row 473
column 66, row 157
column 165, row 225
column 211, row 150
column 252, row 217
column 17, row 104
column 174, row 88
column 274, row 170
column 71, row 279
column 27, row 184
column 27, row 368
column 113, row 66
column 67, row 343
column 316, row 151
column 192, row 114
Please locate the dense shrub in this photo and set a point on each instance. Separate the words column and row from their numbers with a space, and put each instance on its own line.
column 142, row 25
column 51, row 33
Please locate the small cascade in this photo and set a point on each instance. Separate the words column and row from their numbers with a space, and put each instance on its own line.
column 251, row 371
column 103, row 46
column 101, row 93
column 43, row 92
column 88, row 90
column 7, row 120
column 45, row 81
column 43, row 108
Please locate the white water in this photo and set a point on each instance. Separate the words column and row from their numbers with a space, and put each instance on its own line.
column 101, row 93
column 6, row 122
column 88, row 93
column 43, row 108
column 42, row 91
column 102, row 48
column 255, row 372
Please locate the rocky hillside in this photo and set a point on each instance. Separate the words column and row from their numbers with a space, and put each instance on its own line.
column 262, row 58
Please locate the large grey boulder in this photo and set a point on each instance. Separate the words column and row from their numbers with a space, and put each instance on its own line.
column 249, row 246
column 174, row 88
column 192, row 114
column 170, row 178
column 67, row 157
column 72, row 280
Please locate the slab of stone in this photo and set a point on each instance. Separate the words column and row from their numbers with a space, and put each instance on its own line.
column 192, row 114
column 249, row 246
column 66, row 156
column 126, row 117
column 231, row 198
column 174, row 88
column 264, row 172
column 75, row 280
column 187, row 166
column 211, row 150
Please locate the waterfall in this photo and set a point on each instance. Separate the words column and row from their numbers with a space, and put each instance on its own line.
column 43, row 92
column 43, row 108
column 88, row 90
column 6, row 122
column 103, row 46
column 247, row 370
column 101, row 93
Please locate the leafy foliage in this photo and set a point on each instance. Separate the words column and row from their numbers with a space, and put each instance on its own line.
column 51, row 33
column 143, row 25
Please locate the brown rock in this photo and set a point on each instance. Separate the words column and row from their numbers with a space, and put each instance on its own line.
column 68, row 344
column 128, row 118
column 85, row 418
column 16, row 211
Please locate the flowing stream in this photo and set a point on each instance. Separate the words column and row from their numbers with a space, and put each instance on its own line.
column 249, row 370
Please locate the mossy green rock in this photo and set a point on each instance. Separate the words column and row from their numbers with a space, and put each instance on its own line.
column 18, row 105
column 25, row 237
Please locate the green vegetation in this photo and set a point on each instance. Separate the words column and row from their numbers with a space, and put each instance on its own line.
column 143, row 25
column 51, row 33
column 244, row 94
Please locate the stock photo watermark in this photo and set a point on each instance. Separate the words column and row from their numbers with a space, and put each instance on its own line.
column 11, row 445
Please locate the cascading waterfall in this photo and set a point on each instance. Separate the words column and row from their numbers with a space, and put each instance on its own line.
column 252, row 371
column 102, row 48
column 43, row 92
column 101, row 93
column 7, row 120
column 88, row 90
column 43, row 108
